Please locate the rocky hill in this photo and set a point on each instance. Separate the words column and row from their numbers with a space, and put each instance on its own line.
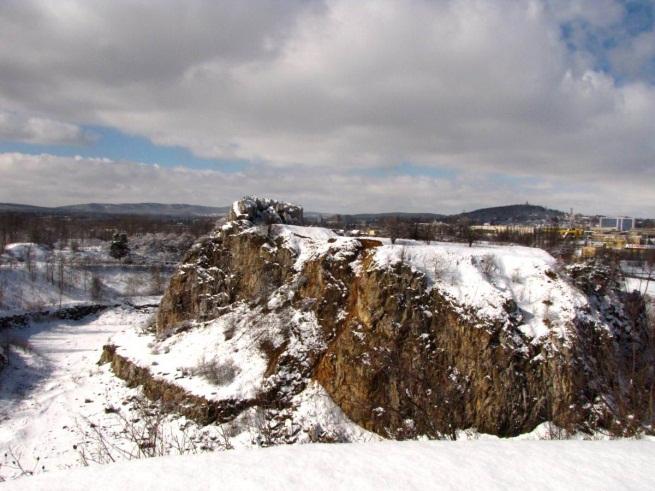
column 407, row 339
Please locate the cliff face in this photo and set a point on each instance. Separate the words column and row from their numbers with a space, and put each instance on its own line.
column 417, row 340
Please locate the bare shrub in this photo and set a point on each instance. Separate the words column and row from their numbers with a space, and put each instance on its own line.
column 487, row 265
column 13, row 461
column 216, row 372
column 317, row 434
column 262, row 433
column 516, row 276
column 142, row 433
column 133, row 286
column 554, row 432
column 403, row 255
column 440, row 267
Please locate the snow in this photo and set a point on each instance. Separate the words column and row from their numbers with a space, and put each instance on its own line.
column 315, row 408
column 52, row 390
column 25, row 291
column 311, row 242
column 235, row 340
column 176, row 358
column 385, row 465
column 52, row 371
column 487, row 277
column 21, row 251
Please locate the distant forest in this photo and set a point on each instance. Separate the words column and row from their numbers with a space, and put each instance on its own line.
column 51, row 229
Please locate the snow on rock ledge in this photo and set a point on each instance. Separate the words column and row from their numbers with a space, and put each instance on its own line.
column 490, row 278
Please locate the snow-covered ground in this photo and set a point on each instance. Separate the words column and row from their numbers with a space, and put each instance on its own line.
column 52, row 394
column 387, row 465
column 52, row 391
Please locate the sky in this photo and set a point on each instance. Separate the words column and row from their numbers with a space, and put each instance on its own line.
column 368, row 106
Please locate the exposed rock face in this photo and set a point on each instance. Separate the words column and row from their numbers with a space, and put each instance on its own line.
column 262, row 210
column 398, row 354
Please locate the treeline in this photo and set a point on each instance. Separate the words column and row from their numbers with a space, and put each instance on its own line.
column 63, row 229
column 463, row 231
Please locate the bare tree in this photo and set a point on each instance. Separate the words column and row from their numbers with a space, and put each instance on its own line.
column 466, row 232
column 29, row 261
column 156, row 280
column 50, row 269
column 3, row 286
column 393, row 228
column 61, row 278
column 96, row 288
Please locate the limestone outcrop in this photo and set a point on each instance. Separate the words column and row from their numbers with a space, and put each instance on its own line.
column 399, row 344
column 267, row 211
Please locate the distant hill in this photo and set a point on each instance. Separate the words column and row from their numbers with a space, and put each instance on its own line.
column 403, row 215
column 121, row 209
column 24, row 208
column 496, row 215
column 511, row 214
column 532, row 214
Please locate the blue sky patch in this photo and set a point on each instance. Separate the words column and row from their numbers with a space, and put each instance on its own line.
column 116, row 145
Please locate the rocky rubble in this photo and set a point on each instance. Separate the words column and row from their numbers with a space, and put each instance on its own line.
column 398, row 353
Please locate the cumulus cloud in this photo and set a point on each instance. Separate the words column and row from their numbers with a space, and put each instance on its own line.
column 52, row 180
column 15, row 127
column 479, row 86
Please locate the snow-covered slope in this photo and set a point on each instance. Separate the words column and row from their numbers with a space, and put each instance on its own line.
column 390, row 465
column 53, row 394
column 486, row 278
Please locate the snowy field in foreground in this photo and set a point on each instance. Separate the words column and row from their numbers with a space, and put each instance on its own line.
column 388, row 465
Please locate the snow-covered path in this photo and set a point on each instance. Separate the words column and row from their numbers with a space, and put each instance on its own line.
column 52, row 382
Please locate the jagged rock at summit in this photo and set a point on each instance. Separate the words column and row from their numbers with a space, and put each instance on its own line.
column 268, row 211
column 417, row 339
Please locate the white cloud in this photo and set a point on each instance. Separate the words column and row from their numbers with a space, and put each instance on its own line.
column 479, row 86
column 51, row 180
column 598, row 13
column 14, row 127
